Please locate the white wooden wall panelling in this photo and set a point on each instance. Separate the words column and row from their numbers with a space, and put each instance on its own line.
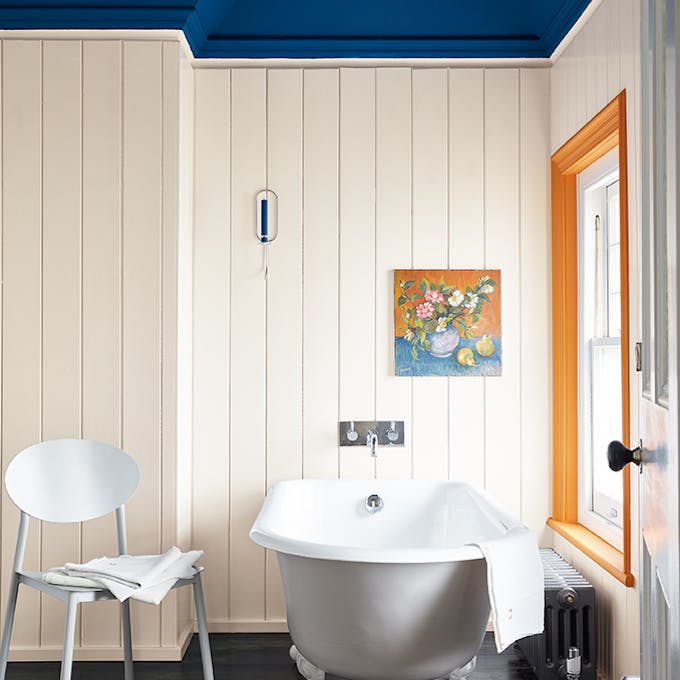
column 393, row 251
column 613, row 21
column 356, row 287
column 101, row 309
column 535, row 309
column 248, row 346
column 425, row 176
column 571, row 83
column 22, row 299
column 211, row 348
column 63, row 230
column 580, row 94
column 141, row 299
column 600, row 19
column 61, row 289
column 284, row 300
column 320, row 273
column 429, row 101
column 588, row 45
column 557, row 112
column 467, row 412
column 502, row 210
column 168, row 351
column 185, row 333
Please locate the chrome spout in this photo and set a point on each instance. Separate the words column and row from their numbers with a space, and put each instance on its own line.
column 372, row 442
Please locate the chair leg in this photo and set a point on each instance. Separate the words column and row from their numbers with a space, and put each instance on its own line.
column 9, row 623
column 204, row 642
column 69, row 638
column 127, row 641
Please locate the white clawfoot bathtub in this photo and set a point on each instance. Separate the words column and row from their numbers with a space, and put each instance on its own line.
column 391, row 593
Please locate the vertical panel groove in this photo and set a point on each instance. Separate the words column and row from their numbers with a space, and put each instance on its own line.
column 303, row 451
column 161, row 294
column 231, row 299
column 484, row 240
column 3, row 453
column 339, row 239
column 266, row 335
column 121, row 263
column 41, row 308
column 375, row 252
column 80, row 296
column 121, row 186
column 411, row 379
column 231, row 307
column 519, row 303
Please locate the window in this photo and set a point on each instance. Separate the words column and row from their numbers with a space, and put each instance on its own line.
column 591, row 384
column 599, row 361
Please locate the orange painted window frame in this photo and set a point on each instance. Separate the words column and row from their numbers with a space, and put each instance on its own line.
column 602, row 134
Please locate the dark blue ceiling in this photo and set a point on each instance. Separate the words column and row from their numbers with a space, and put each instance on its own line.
column 323, row 28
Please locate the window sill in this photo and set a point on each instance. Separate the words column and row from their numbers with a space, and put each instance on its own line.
column 597, row 549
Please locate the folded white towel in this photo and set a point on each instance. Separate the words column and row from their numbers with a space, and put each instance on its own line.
column 148, row 594
column 515, row 583
column 147, row 578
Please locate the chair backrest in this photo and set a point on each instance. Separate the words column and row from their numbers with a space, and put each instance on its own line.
column 71, row 480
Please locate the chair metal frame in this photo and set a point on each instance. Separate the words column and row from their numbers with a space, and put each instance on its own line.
column 73, row 596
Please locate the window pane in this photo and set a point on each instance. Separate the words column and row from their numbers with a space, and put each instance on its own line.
column 613, row 214
column 614, row 266
column 606, row 417
column 615, row 315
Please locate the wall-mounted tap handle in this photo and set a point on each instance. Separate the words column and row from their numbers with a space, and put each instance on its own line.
column 391, row 433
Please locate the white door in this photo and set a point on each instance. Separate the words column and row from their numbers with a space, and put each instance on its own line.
column 660, row 580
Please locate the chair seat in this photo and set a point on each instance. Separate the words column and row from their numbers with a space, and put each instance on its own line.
column 34, row 579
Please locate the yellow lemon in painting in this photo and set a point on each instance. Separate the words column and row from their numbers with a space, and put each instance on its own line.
column 485, row 346
column 465, row 357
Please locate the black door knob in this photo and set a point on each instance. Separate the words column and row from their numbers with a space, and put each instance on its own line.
column 619, row 456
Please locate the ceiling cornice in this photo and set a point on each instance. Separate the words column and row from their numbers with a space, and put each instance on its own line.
column 30, row 15
column 196, row 18
column 560, row 26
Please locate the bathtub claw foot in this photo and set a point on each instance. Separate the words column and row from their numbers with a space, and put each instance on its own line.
column 463, row 673
column 306, row 669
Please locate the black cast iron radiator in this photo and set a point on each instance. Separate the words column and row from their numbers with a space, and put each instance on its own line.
column 569, row 622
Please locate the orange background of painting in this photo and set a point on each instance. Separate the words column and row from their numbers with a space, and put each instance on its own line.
column 490, row 322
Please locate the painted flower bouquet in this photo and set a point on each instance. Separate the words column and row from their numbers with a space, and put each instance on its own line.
column 436, row 315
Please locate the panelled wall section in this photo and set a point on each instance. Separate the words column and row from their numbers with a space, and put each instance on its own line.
column 376, row 169
column 89, row 206
column 135, row 309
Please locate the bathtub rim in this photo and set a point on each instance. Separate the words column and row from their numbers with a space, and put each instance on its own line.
column 343, row 553
column 267, row 538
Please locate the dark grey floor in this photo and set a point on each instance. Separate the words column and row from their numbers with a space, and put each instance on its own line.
column 249, row 657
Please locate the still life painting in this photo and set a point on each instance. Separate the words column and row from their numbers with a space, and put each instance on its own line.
column 447, row 322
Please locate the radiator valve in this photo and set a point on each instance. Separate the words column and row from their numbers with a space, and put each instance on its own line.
column 567, row 597
column 573, row 664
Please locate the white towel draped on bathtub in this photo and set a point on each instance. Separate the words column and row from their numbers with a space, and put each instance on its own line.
column 147, row 578
column 515, row 582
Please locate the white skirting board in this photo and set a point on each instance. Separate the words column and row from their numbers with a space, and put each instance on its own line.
column 175, row 653
column 229, row 626
column 53, row 652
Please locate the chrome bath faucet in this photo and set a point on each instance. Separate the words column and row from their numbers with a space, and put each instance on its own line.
column 372, row 442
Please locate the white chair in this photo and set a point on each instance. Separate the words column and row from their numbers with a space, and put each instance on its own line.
column 74, row 480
